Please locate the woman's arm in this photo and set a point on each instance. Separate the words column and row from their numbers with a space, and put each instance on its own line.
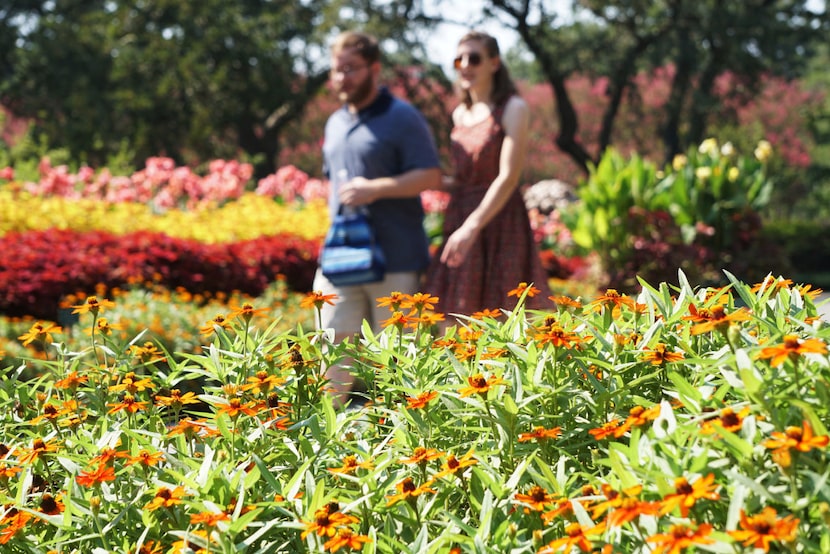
column 511, row 161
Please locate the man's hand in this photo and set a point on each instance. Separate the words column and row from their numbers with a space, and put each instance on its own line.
column 358, row 192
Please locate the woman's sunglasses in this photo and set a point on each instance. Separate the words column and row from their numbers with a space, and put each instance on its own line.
column 473, row 59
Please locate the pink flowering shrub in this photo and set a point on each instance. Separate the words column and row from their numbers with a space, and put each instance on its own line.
column 290, row 183
column 165, row 186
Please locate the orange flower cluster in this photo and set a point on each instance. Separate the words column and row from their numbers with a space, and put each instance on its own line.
column 411, row 310
column 799, row 439
column 637, row 417
column 329, row 522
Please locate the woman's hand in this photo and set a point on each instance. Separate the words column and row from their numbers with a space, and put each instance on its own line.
column 458, row 246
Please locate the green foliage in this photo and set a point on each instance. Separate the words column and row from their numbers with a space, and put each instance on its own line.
column 557, row 417
column 702, row 199
column 200, row 79
column 807, row 244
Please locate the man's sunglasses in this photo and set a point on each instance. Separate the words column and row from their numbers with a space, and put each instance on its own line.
column 473, row 59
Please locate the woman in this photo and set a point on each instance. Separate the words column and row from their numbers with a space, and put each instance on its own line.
column 489, row 247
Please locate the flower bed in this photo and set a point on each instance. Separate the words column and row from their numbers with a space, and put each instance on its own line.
column 41, row 267
column 679, row 419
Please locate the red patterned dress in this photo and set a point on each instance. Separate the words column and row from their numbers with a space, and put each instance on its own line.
column 504, row 253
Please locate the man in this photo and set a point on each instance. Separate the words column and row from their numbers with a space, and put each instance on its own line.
column 378, row 152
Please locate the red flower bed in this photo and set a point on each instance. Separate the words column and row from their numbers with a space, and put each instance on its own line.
column 40, row 267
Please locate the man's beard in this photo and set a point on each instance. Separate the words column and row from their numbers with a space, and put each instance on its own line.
column 360, row 93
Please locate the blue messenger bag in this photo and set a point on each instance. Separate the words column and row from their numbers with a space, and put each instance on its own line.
column 351, row 255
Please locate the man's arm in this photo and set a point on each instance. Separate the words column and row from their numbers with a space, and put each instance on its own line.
column 360, row 191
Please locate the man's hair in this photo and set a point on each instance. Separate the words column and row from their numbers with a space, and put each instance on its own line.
column 364, row 44
column 503, row 86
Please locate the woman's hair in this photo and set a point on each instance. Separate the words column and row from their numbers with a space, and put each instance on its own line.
column 503, row 86
column 364, row 44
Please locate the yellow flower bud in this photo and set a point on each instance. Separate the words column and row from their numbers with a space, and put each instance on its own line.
column 763, row 151
column 703, row 172
column 709, row 147
column 679, row 162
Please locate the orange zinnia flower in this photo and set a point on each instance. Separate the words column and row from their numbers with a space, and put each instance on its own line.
column 536, row 498
column 262, row 381
column 208, row 519
column 487, row 312
column 420, row 401
column 637, row 416
column 576, row 535
column 808, row 290
column 246, row 312
column 316, row 299
column 660, row 355
column 350, row 465
column 218, row 322
column 107, row 455
column 98, row 475
column 761, row 529
column 771, row 282
column 398, row 319
column 422, row 455
column 520, row 290
column 614, row 498
column 686, row 495
column 128, row 404
column 147, row 353
column 40, row 331
column 132, row 384
column 728, row 420
column 607, row 429
column 93, row 305
column 327, row 521
column 631, row 508
column 50, row 505
column 346, row 538
column 146, row 458
column 177, row 399
column 419, row 301
column 792, row 347
column 394, row 300
column 71, row 381
column 453, row 465
column 556, row 336
column 104, row 327
column 680, row 537
column 480, row 385
column 166, row 498
column 407, row 490
column 715, row 318
column 426, row 319
column 39, row 448
column 566, row 302
column 14, row 522
column 235, row 406
column 794, row 438
column 612, row 299
column 539, row 433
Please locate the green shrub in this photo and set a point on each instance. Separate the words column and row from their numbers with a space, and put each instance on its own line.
column 626, row 423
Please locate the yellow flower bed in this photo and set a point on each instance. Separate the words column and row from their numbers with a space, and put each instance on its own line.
column 249, row 217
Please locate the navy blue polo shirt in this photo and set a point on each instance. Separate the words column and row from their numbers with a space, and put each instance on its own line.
column 385, row 139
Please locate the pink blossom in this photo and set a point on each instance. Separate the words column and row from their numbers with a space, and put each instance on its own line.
column 435, row 201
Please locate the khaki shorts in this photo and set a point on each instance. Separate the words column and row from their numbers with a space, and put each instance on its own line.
column 357, row 303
